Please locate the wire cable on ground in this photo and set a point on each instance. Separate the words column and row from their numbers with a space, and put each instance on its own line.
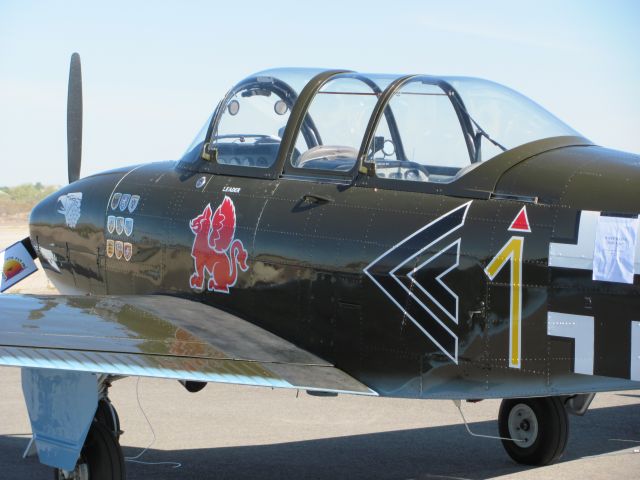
column 136, row 458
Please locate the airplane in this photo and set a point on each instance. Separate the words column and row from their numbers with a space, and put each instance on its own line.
column 337, row 232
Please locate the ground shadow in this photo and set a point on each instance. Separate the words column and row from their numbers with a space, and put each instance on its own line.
column 437, row 452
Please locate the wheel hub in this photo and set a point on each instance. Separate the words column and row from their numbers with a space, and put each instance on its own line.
column 523, row 425
column 81, row 472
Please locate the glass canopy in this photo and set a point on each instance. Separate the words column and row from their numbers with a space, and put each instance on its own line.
column 417, row 128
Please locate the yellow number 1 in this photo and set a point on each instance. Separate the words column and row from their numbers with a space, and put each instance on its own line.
column 512, row 251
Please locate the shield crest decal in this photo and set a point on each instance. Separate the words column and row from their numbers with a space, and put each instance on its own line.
column 128, row 226
column 111, row 223
column 133, row 203
column 115, row 200
column 124, row 201
column 128, row 251
column 119, row 225
column 110, row 248
column 119, row 249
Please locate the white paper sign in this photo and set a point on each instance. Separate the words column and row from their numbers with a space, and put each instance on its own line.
column 615, row 247
column 17, row 264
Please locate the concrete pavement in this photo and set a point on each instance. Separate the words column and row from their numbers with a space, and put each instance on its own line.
column 231, row 432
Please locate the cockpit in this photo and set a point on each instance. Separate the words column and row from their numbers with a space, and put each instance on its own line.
column 414, row 128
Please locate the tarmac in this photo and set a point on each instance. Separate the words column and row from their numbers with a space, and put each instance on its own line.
column 235, row 432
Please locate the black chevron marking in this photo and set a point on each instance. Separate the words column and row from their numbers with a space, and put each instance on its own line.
column 430, row 285
column 412, row 279
column 426, row 321
column 418, row 241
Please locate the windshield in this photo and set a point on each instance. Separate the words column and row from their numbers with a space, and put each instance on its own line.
column 507, row 117
column 252, row 118
column 199, row 138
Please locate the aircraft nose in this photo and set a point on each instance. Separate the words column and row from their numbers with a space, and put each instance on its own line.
column 43, row 213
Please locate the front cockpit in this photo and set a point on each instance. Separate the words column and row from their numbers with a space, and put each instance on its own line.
column 401, row 127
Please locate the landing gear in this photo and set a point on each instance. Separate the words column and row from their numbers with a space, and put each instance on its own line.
column 538, row 427
column 101, row 457
column 107, row 415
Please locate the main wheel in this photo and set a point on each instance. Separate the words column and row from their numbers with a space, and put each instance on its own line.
column 101, row 457
column 108, row 416
column 538, row 427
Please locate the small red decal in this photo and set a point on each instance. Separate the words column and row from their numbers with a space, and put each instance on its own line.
column 215, row 252
column 521, row 222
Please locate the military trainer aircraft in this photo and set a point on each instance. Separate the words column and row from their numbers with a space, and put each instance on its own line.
column 338, row 232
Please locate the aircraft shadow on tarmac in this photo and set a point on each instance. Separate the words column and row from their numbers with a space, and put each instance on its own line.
column 436, row 452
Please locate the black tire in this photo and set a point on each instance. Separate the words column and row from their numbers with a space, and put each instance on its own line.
column 102, row 455
column 108, row 416
column 551, row 424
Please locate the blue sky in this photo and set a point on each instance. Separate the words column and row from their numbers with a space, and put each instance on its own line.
column 153, row 71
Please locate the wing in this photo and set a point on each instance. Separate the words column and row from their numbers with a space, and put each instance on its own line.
column 223, row 225
column 156, row 336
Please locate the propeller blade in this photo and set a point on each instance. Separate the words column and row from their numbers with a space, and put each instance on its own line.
column 74, row 119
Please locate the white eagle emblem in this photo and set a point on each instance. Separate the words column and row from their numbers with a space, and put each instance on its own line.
column 69, row 205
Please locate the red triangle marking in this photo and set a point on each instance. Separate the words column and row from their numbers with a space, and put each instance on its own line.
column 521, row 222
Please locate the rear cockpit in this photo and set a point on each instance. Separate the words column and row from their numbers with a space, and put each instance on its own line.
column 398, row 127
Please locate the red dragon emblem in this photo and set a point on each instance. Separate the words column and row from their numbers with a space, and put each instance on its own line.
column 214, row 250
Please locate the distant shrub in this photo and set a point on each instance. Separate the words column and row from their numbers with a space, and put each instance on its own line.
column 22, row 198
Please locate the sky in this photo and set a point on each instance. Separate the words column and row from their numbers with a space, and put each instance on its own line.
column 154, row 71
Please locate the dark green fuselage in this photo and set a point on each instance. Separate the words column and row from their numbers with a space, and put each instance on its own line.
column 312, row 243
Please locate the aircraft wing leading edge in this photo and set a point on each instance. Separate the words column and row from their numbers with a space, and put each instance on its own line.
column 157, row 336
